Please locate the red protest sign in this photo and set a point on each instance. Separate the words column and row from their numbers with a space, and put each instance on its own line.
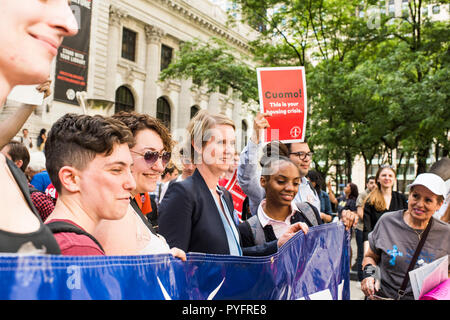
column 282, row 94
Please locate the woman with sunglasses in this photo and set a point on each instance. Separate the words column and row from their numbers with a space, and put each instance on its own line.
column 196, row 214
column 382, row 199
column 32, row 31
column 134, row 234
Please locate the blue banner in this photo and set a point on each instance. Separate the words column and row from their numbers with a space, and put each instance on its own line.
column 315, row 266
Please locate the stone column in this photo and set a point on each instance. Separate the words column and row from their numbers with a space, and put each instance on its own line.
column 185, row 103
column 153, row 36
column 214, row 104
column 237, row 119
column 114, row 47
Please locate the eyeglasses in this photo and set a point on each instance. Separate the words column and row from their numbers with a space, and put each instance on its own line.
column 151, row 157
column 302, row 155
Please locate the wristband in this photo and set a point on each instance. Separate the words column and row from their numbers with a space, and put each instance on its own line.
column 369, row 271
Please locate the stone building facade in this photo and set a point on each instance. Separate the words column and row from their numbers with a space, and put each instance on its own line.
column 131, row 41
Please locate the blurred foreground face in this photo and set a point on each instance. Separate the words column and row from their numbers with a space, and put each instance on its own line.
column 219, row 151
column 32, row 31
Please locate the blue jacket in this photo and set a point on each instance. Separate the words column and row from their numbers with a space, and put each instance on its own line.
column 41, row 181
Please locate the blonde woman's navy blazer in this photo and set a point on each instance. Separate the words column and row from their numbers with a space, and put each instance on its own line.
column 189, row 220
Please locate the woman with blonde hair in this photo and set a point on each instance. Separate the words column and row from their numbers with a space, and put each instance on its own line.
column 196, row 214
column 382, row 199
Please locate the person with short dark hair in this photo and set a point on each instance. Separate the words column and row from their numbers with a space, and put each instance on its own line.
column 18, row 153
column 134, row 234
column 89, row 161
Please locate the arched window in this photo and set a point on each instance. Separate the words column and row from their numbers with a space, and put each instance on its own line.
column 244, row 136
column 163, row 111
column 124, row 99
column 194, row 110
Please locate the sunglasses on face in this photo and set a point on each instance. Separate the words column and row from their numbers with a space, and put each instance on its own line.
column 151, row 157
column 302, row 155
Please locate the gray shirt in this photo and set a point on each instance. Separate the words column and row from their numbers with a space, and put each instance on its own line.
column 395, row 243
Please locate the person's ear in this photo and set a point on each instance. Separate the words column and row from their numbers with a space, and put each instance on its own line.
column 263, row 181
column 69, row 178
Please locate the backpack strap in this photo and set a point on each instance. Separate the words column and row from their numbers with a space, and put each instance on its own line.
column 401, row 291
column 62, row 226
column 138, row 211
column 307, row 212
column 256, row 229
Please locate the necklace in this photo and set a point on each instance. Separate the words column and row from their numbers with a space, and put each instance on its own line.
column 419, row 234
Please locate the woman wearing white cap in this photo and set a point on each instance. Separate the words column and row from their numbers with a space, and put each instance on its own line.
column 396, row 237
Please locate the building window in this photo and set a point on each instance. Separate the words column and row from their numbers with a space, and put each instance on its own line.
column 129, row 44
column 391, row 8
column 124, row 99
column 194, row 110
column 436, row 9
column 244, row 136
column 405, row 8
column 163, row 111
column 425, row 11
column 166, row 56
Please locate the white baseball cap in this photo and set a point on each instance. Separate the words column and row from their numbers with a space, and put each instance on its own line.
column 432, row 182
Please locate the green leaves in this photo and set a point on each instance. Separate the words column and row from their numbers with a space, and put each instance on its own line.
column 215, row 66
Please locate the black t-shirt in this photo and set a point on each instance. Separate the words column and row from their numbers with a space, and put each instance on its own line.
column 40, row 241
column 371, row 215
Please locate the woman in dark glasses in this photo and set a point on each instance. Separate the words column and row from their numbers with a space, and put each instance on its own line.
column 196, row 214
column 134, row 234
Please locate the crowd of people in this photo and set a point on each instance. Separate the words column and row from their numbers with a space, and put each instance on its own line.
column 103, row 185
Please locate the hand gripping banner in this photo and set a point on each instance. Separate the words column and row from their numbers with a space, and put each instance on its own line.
column 315, row 266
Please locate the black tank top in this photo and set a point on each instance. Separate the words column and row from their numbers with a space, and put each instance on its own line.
column 40, row 241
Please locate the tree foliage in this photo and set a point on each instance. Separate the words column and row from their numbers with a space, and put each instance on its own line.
column 376, row 82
